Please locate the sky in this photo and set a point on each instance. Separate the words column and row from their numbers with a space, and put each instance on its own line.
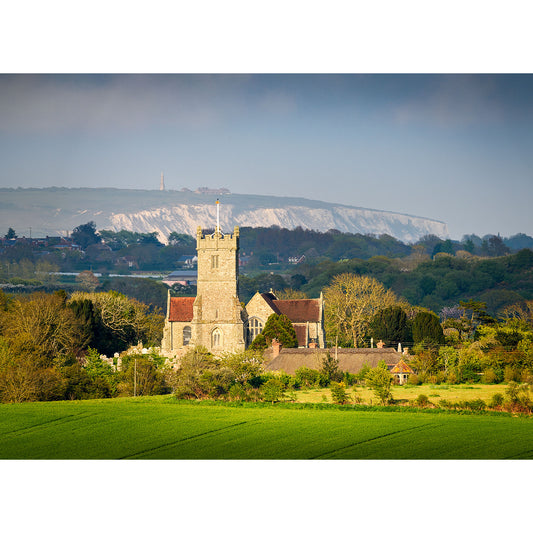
column 456, row 148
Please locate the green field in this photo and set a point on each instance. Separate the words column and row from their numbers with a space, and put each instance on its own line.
column 163, row 428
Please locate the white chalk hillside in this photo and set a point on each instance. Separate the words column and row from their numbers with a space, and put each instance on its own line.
column 58, row 210
column 186, row 218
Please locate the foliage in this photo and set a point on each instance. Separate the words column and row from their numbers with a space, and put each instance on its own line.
column 126, row 320
column 272, row 390
column 379, row 380
column 245, row 366
column 351, row 303
column 11, row 234
column 87, row 280
column 279, row 327
column 309, row 377
column 427, row 329
column 330, row 369
column 391, row 325
column 85, row 234
column 338, row 393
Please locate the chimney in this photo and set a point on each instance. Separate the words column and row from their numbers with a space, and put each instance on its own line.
column 276, row 347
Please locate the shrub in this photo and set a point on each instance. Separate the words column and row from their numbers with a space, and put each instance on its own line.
column 272, row 390
column 422, row 400
column 496, row 400
column 517, row 397
column 338, row 393
column 308, row 377
column 489, row 376
column 475, row 405
column 510, row 374
column 237, row 392
column 413, row 379
column 379, row 380
column 451, row 377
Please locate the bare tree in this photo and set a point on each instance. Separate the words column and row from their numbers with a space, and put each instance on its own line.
column 351, row 302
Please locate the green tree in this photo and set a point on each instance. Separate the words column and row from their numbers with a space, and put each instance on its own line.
column 391, row 325
column 330, row 369
column 379, row 379
column 280, row 327
column 427, row 329
column 338, row 393
column 272, row 390
column 85, row 234
column 11, row 234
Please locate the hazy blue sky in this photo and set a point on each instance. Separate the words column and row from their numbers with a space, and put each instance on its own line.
column 457, row 148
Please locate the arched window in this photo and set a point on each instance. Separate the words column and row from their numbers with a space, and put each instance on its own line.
column 216, row 338
column 186, row 335
column 255, row 326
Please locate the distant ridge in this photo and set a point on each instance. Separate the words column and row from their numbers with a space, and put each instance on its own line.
column 57, row 210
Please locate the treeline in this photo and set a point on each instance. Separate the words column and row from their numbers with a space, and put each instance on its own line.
column 435, row 284
column 51, row 346
column 274, row 244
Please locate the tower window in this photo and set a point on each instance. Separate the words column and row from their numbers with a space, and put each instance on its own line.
column 186, row 335
column 214, row 261
column 216, row 338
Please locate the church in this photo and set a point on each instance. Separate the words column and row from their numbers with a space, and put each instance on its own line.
column 215, row 318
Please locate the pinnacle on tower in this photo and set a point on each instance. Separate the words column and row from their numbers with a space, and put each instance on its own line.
column 162, row 184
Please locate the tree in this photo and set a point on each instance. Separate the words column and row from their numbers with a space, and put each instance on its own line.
column 42, row 325
column 390, row 324
column 330, row 369
column 126, row 321
column 379, row 379
column 85, row 234
column 87, row 280
column 272, row 390
column 351, row 302
column 11, row 234
column 427, row 328
column 280, row 327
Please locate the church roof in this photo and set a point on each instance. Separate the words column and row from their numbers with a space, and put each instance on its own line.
column 298, row 311
column 301, row 334
column 181, row 309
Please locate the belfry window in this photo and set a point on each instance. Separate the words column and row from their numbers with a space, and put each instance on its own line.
column 255, row 326
column 216, row 338
column 214, row 261
column 186, row 335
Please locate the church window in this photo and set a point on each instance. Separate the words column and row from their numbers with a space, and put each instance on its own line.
column 186, row 335
column 216, row 338
column 214, row 261
column 255, row 326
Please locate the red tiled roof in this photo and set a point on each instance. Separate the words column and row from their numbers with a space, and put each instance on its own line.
column 402, row 368
column 181, row 309
column 299, row 310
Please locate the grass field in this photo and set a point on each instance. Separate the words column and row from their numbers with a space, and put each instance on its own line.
column 163, row 428
column 404, row 393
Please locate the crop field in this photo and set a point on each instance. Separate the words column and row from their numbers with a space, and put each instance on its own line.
column 163, row 428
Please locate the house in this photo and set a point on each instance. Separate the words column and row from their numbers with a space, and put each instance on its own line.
column 181, row 277
column 401, row 372
column 349, row 359
column 188, row 261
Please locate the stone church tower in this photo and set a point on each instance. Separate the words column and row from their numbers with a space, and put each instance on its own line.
column 217, row 321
